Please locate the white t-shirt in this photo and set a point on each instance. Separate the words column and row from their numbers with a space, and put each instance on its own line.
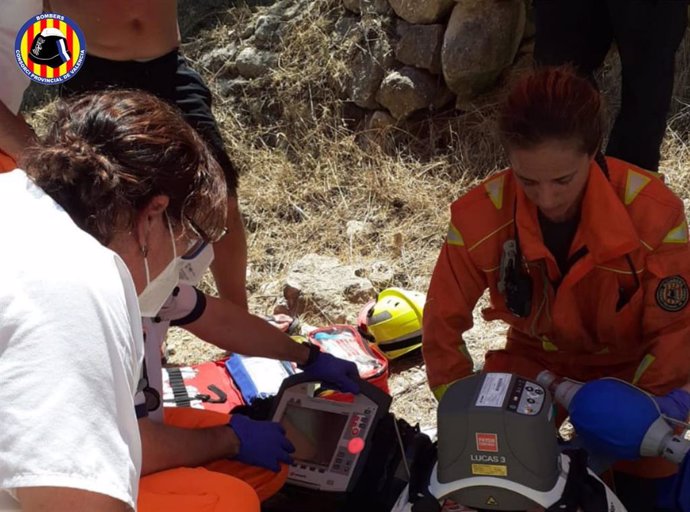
column 13, row 82
column 70, row 352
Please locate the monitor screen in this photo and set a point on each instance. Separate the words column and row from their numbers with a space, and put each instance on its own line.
column 315, row 434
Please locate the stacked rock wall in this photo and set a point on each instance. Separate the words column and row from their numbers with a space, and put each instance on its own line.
column 398, row 56
column 435, row 52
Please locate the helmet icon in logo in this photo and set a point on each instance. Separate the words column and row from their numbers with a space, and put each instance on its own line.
column 49, row 48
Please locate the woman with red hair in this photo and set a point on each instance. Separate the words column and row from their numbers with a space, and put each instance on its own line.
column 585, row 257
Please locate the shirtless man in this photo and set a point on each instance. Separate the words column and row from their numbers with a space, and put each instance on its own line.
column 134, row 44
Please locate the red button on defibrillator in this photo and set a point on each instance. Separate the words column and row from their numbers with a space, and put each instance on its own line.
column 355, row 445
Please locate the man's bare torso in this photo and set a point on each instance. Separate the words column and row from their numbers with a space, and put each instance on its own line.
column 123, row 29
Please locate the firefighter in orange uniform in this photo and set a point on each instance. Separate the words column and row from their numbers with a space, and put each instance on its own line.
column 586, row 258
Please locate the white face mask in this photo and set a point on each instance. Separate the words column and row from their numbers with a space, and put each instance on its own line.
column 195, row 265
column 155, row 294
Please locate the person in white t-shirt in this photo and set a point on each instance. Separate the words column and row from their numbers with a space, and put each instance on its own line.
column 90, row 231
column 70, row 351
column 14, row 132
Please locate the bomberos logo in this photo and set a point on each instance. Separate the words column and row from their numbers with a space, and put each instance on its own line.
column 50, row 48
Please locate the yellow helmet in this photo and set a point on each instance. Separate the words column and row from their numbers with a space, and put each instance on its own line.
column 394, row 321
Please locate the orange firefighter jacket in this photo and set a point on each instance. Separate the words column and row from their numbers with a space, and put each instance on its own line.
column 579, row 326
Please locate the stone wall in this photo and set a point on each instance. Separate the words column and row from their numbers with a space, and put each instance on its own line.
column 440, row 51
column 401, row 56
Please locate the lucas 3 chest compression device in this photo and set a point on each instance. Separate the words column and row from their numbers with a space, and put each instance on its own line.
column 497, row 428
column 331, row 438
column 498, row 450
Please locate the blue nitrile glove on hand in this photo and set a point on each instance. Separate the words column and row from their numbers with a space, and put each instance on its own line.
column 675, row 404
column 262, row 443
column 338, row 373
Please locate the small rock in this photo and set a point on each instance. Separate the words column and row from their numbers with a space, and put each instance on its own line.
column 381, row 274
column 377, row 130
column 289, row 12
column 268, row 31
column 371, row 57
column 323, row 285
column 254, row 63
column 410, row 89
column 222, row 58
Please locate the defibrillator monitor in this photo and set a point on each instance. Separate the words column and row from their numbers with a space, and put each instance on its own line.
column 331, row 438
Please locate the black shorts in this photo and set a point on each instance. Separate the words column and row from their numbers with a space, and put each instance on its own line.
column 170, row 78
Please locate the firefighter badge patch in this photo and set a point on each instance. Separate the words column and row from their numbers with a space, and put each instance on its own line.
column 672, row 294
column 50, row 48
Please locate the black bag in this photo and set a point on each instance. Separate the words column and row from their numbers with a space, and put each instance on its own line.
column 385, row 474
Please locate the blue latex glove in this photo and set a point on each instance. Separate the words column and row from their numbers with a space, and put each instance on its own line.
column 342, row 375
column 675, row 404
column 262, row 443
